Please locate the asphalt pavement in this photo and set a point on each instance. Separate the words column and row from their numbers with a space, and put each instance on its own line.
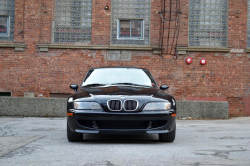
column 43, row 141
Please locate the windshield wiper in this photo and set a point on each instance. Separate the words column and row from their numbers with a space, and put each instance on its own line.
column 95, row 84
column 128, row 83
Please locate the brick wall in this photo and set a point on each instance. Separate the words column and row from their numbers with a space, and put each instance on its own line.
column 226, row 75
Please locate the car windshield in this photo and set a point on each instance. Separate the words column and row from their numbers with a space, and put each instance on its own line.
column 119, row 76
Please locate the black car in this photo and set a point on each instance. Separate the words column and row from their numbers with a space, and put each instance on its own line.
column 120, row 100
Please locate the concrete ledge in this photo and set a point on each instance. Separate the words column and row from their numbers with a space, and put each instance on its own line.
column 33, row 107
column 248, row 50
column 45, row 47
column 202, row 109
column 17, row 46
column 203, row 49
column 56, row 107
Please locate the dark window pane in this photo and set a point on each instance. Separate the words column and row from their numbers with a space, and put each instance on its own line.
column 124, row 28
column 136, row 28
column 3, row 25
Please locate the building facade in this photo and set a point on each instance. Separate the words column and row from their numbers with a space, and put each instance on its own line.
column 47, row 45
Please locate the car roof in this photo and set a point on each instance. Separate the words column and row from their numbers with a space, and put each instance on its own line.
column 105, row 67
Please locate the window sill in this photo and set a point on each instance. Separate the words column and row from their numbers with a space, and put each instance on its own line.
column 17, row 46
column 248, row 50
column 45, row 47
column 183, row 50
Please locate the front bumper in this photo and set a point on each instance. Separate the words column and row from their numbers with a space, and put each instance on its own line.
column 95, row 122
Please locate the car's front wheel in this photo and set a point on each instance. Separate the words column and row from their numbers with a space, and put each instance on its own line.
column 73, row 136
column 168, row 137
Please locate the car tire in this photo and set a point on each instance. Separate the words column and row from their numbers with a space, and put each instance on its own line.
column 168, row 137
column 73, row 136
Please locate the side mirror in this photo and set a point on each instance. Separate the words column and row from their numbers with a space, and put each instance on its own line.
column 74, row 87
column 164, row 87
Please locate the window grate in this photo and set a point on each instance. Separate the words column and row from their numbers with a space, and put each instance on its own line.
column 131, row 10
column 208, row 23
column 7, row 9
column 72, row 22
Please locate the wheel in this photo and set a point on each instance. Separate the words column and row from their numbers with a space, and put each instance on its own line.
column 73, row 136
column 168, row 137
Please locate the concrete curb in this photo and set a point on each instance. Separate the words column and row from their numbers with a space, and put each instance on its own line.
column 56, row 107
column 203, row 109
column 33, row 107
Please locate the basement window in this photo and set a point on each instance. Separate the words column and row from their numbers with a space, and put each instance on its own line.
column 4, row 25
column 130, row 29
column 5, row 94
column 60, row 95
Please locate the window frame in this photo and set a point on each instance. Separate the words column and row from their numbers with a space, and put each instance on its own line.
column 8, row 26
column 130, row 38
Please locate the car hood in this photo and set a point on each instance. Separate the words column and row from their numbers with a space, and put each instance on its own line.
column 142, row 95
column 102, row 94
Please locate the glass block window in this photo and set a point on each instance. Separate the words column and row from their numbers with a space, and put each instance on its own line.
column 248, row 25
column 130, row 29
column 72, row 22
column 208, row 23
column 131, row 22
column 7, row 20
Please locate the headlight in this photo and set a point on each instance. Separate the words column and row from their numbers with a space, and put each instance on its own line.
column 87, row 106
column 157, row 106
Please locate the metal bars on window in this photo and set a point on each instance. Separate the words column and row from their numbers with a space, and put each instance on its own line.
column 72, row 22
column 7, row 20
column 208, row 23
column 131, row 10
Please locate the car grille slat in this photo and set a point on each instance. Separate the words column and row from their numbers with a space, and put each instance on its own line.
column 117, row 106
column 114, row 105
column 130, row 105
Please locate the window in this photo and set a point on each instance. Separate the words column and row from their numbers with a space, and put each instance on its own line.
column 132, row 29
column 72, row 22
column 7, row 20
column 4, row 25
column 5, row 94
column 248, row 25
column 131, row 22
column 208, row 23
